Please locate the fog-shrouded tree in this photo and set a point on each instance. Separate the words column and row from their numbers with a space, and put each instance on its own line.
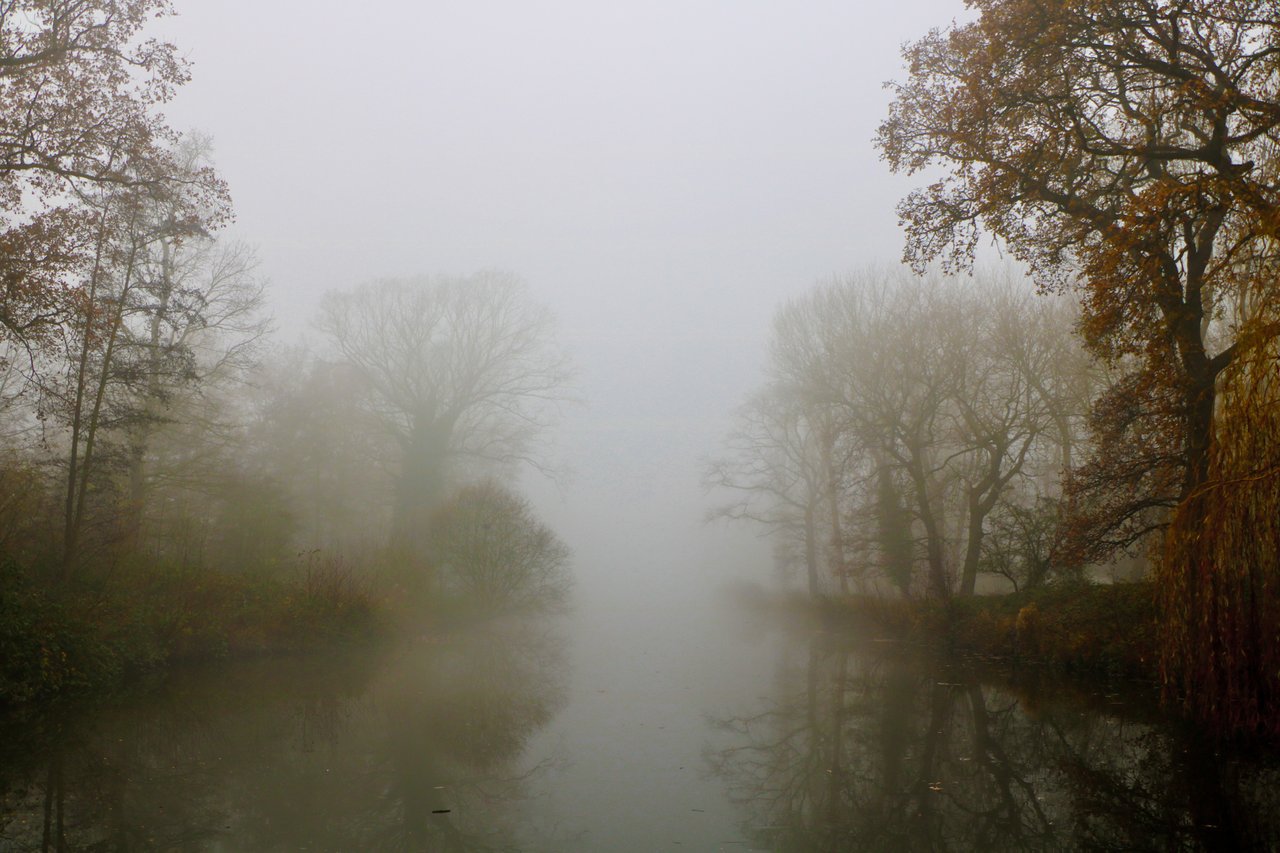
column 1126, row 151
column 948, row 401
column 774, row 471
column 198, row 325
column 899, row 415
column 462, row 371
column 128, row 343
column 488, row 548
column 900, row 397
column 163, row 312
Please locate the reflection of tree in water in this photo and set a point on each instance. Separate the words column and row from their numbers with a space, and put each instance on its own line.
column 459, row 750
column 111, row 783
column 425, row 755
column 866, row 754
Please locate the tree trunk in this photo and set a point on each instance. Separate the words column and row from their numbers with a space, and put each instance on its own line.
column 141, row 437
column 1199, row 402
column 811, row 553
column 839, row 568
column 422, row 483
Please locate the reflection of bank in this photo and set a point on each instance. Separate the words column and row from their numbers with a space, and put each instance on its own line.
column 422, row 748
column 875, row 751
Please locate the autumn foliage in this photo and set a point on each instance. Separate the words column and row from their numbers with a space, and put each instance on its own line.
column 1219, row 579
column 80, row 89
column 1125, row 150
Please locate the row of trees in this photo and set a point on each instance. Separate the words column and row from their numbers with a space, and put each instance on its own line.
column 199, row 445
column 1126, row 152
column 143, row 411
column 912, row 433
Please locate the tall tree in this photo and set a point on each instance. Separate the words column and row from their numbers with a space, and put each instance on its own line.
column 197, row 317
column 132, row 329
column 1127, row 146
column 896, row 406
column 462, row 369
column 775, row 473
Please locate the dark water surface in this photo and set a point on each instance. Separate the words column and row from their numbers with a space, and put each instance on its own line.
column 700, row 725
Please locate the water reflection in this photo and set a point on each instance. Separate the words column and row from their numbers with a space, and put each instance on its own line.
column 864, row 749
column 420, row 749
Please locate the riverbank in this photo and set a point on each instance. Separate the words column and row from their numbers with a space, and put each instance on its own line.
column 113, row 627
column 1093, row 630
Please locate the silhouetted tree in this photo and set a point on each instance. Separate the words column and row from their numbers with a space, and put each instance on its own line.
column 460, row 368
column 486, row 545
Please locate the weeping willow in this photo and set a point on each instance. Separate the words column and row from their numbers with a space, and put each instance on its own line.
column 1219, row 580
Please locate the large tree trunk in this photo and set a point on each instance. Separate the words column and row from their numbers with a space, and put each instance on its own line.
column 1199, row 400
column 422, row 484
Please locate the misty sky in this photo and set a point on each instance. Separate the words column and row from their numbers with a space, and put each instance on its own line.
column 663, row 174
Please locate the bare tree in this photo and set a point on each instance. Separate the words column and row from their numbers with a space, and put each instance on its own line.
column 901, row 384
column 164, row 311
column 774, row 472
column 198, row 321
column 461, row 369
column 899, row 414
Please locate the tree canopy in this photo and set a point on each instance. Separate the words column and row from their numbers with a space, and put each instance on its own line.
column 1126, row 149
column 80, row 87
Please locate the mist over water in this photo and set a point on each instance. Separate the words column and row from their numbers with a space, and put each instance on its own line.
column 327, row 560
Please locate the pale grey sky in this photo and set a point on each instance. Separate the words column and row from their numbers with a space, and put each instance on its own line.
column 662, row 173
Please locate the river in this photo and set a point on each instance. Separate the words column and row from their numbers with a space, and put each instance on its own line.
column 697, row 723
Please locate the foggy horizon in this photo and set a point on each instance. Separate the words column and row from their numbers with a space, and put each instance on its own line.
column 578, row 426
column 662, row 176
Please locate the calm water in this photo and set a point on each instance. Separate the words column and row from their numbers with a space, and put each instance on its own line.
column 695, row 726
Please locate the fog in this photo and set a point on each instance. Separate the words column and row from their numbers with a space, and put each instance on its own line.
column 663, row 175
column 586, row 426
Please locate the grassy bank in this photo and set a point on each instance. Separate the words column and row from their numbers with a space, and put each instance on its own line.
column 111, row 627
column 1102, row 630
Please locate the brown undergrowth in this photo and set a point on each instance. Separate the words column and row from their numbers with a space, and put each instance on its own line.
column 144, row 617
column 1095, row 630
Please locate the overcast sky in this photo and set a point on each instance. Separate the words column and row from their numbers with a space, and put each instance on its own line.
column 663, row 174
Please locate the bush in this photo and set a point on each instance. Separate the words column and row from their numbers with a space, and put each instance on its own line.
column 489, row 550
